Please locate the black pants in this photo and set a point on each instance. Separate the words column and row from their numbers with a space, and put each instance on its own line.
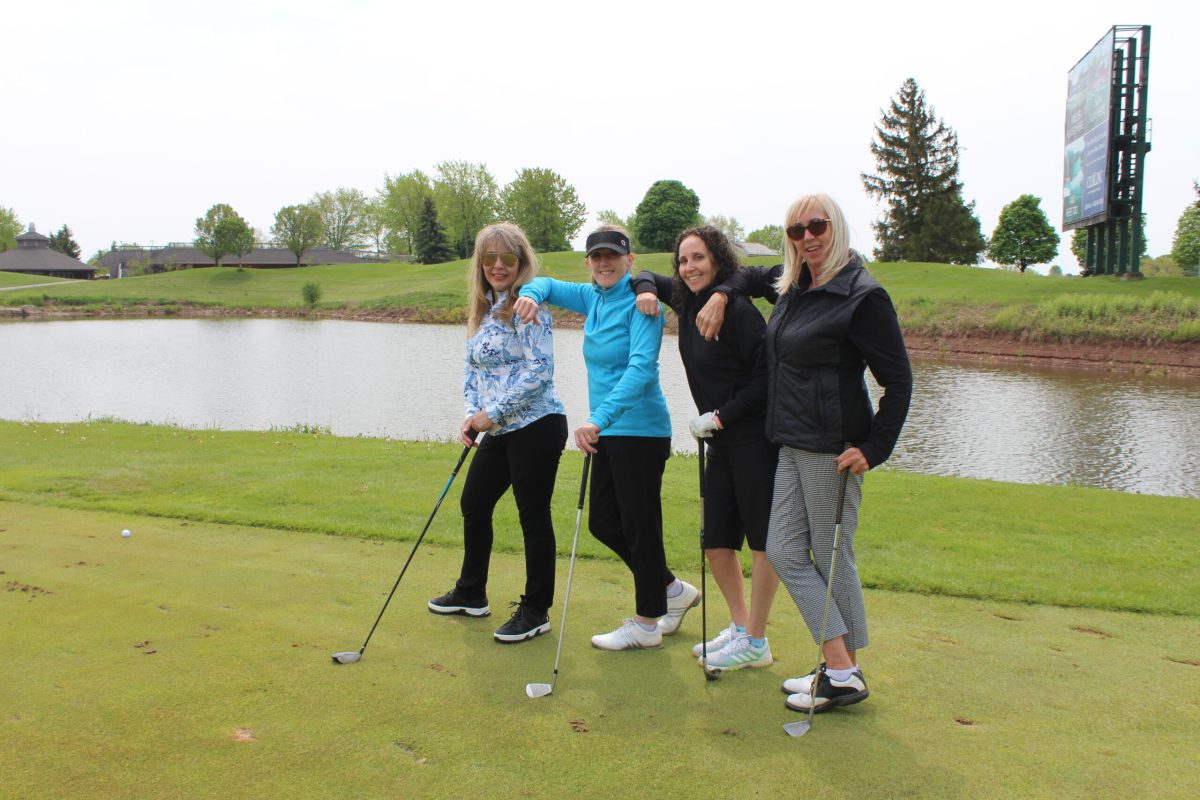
column 526, row 460
column 625, row 512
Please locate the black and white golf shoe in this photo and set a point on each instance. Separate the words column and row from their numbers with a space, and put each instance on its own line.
column 526, row 622
column 453, row 602
column 830, row 693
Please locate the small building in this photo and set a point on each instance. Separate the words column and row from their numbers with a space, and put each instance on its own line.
column 33, row 256
column 756, row 249
column 185, row 255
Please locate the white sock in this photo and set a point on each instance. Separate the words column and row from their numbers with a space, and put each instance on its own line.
column 674, row 588
column 839, row 675
column 645, row 627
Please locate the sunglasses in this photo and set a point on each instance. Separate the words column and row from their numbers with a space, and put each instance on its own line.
column 508, row 259
column 796, row 230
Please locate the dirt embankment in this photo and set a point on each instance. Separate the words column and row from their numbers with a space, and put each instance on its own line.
column 1180, row 359
column 1172, row 358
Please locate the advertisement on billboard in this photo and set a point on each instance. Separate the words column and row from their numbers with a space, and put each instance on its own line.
column 1085, row 159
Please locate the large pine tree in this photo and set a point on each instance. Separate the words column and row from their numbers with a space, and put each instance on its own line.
column 430, row 240
column 63, row 241
column 916, row 158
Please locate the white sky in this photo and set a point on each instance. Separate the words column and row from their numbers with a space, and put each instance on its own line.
column 127, row 120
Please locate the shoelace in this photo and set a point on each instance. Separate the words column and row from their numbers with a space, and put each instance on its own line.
column 518, row 609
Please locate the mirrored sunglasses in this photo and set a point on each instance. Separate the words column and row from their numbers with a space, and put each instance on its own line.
column 796, row 230
column 508, row 259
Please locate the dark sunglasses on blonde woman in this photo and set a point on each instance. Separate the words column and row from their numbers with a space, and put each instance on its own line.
column 508, row 259
column 796, row 230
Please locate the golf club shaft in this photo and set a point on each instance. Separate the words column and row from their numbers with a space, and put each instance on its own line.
column 461, row 459
column 562, row 627
column 837, row 534
column 703, row 571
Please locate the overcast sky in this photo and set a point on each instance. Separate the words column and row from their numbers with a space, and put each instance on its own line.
column 127, row 120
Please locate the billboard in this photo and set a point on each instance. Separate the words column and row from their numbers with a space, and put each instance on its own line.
column 1088, row 128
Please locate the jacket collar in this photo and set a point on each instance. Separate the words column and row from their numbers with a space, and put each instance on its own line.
column 841, row 284
column 621, row 285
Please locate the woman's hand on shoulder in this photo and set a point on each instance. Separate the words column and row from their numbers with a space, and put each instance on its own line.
column 647, row 303
column 712, row 316
column 526, row 308
column 586, row 436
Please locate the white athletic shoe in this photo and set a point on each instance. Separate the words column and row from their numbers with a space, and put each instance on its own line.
column 740, row 653
column 716, row 644
column 630, row 636
column 677, row 606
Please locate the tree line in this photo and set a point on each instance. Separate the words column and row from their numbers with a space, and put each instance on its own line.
column 434, row 218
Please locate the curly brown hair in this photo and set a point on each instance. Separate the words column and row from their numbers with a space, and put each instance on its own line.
column 722, row 251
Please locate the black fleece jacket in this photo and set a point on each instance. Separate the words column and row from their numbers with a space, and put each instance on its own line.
column 728, row 375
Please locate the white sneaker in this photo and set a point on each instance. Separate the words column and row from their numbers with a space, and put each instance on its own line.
column 740, row 653
column 630, row 636
column 716, row 644
column 677, row 606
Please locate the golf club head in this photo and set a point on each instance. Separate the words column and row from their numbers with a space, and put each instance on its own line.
column 347, row 658
column 797, row 728
column 711, row 673
column 538, row 689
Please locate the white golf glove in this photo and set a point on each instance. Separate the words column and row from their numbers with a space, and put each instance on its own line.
column 703, row 426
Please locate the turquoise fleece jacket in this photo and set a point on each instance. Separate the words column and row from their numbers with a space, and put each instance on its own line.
column 620, row 349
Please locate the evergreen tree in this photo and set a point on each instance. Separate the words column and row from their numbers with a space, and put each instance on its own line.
column 1023, row 236
column 916, row 158
column 430, row 243
column 63, row 241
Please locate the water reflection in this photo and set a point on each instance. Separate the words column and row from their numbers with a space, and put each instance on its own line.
column 1130, row 433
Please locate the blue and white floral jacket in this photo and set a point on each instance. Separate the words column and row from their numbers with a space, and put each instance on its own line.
column 509, row 370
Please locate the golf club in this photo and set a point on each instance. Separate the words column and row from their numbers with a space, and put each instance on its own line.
column 802, row 727
column 350, row 656
column 543, row 689
column 714, row 673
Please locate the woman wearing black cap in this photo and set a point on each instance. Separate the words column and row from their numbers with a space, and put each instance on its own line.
column 628, row 433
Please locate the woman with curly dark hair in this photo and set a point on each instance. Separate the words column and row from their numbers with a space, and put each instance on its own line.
column 727, row 378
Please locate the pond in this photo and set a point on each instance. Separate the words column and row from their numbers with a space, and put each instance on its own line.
column 1131, row 433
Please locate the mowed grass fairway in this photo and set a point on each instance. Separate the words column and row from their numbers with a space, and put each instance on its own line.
column 192, row 659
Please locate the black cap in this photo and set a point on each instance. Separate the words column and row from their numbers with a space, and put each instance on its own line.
column 608, row 240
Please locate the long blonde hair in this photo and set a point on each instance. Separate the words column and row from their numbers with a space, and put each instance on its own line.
column 508, row 238
column 839, row 242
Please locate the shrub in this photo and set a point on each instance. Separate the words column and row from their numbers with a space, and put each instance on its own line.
column 311, row 293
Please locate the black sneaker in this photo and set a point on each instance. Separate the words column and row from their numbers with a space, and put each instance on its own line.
column 526, row 622
column 453, row 602
column 831, row 693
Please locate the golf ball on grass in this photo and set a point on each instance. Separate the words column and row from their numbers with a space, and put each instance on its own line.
column 125, row 534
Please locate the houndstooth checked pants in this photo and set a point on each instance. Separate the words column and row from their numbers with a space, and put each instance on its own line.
column 802, row 522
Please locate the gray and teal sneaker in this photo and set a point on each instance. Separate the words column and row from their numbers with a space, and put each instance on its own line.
column 740, row 653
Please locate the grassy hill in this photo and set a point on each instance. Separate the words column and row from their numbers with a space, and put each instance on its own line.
column 930, row 298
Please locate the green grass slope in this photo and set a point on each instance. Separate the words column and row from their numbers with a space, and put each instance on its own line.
column 930, row 298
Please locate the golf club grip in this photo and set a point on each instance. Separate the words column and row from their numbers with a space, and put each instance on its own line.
column 587, row 463
column 841, row 501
